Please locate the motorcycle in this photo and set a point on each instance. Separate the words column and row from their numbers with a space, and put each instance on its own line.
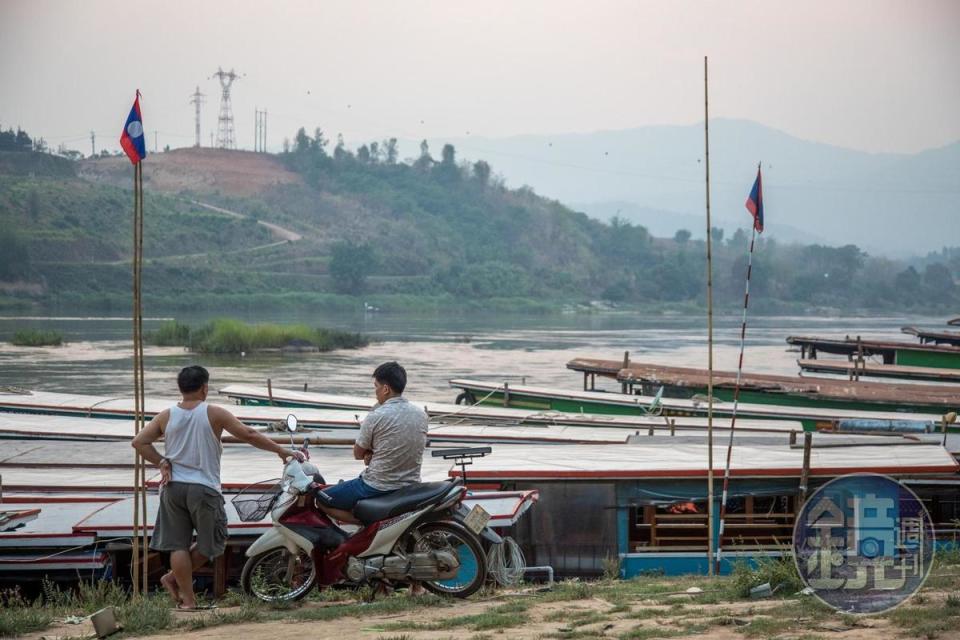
column 421, row 533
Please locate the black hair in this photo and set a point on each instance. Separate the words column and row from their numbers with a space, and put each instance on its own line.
column 191, row 378
column 392, row 375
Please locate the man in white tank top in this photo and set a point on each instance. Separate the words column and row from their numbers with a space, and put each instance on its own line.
column 190, row 477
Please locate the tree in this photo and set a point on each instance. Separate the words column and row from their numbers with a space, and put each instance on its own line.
column 481, row 171
column 390, row 151
column 716, row 233
column 14, row 256
column 682, row 236
column 448, row 155
column 320, row 142
column 938, row 280
column 375, row 152
column 425, row 161
column 363, row 154
column 340, row 151
column 350, row 264
column 301, row 142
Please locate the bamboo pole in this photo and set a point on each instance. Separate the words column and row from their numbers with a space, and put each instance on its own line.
column 145, row 556
column 135, row 553
column 736, row 396
column 706, row 144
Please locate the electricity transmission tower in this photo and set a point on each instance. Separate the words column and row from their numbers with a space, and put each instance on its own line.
column 225, row 135
column 260, row 131
column 197, row 99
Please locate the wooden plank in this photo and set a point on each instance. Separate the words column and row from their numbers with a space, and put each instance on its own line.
column 850, row 346
column 934, row 337
column 846, row 367
column 825, row 388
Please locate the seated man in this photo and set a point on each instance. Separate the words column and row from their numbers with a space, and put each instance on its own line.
column 391, row 443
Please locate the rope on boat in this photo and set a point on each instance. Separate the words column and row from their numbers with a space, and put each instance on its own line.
column 736, row 398
column 458, row 411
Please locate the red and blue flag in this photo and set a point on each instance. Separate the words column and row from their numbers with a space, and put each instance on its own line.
column 755, row 203
column 132, row 140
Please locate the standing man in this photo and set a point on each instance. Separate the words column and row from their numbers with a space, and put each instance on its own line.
column 391, row 442
column 190, row 497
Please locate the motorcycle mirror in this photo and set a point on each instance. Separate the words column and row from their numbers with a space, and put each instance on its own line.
column 292, row 423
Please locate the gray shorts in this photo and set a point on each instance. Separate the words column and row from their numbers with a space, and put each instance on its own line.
column 186, row 507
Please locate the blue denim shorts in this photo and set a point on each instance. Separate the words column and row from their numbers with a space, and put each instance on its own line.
column 347, row 494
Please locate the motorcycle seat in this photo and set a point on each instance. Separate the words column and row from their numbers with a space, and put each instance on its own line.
column 416, row 496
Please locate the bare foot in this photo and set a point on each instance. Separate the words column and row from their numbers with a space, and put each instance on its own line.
column 416, row 589
column 169, row 583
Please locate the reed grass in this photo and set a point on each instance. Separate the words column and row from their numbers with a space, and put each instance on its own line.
column 37, row 338
column 227, row 335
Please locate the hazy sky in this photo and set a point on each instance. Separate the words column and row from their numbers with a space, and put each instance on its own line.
column 873, row 75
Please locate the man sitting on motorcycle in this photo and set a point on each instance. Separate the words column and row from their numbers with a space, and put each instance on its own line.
column 391, row 443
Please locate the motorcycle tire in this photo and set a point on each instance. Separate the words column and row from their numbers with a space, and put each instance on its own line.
column 262, row 590
column 473, row 561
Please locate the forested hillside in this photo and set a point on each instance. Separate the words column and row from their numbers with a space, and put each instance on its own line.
column 355, row 226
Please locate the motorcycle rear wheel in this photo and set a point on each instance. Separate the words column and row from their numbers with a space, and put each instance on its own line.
column 443, row 536
column 277, row 575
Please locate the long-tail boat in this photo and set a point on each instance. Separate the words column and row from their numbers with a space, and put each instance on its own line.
column 907, row 354
column 927, row 336
column 787, row 391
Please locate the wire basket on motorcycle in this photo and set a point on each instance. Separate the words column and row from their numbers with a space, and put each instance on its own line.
column 254, row 502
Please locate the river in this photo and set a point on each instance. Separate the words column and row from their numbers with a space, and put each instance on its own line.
column 96, row 358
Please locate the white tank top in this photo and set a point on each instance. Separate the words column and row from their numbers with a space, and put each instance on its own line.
column 192, row 448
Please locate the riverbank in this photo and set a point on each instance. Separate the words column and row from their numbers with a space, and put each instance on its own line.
column 644, row 608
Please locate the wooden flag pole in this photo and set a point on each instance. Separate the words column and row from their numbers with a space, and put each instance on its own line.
column 706, row 141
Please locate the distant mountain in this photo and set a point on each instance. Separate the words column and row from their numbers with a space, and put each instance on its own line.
column 894, row 204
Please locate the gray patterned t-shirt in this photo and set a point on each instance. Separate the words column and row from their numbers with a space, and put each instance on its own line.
column 396, row 432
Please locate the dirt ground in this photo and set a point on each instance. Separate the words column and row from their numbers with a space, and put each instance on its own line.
column 238, row 173
column 593, row 617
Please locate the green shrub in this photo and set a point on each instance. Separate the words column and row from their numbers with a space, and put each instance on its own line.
column 170, row 334
column 37, row 338
column 779, row 572
column 226, row 335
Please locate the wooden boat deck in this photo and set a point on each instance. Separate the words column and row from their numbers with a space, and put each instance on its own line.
column 934, row 337
column 852, row 346
column 825, row 388
column 874, row 370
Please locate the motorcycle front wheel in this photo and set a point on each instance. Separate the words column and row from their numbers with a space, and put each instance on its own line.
column 278, row 575
column 472, row 572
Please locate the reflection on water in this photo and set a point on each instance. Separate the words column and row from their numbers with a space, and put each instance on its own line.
column 434, row 349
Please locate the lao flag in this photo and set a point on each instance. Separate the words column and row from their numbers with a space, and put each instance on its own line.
column 132, row 139
column 755, row 203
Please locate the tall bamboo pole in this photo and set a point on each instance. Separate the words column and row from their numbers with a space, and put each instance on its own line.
column 706, row 144
column 135, row 557
column 145, row 556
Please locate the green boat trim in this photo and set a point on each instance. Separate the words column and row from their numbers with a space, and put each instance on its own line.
column 602, row 402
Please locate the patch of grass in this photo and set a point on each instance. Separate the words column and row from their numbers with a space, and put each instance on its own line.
column 926, row 621
column 486, row 621
column 568, row 590
column 36, row 338
column 394, row 604
column 766, row 627
column 145, row 614
column 17, row 616
column 650, row 633
column 576, row 617
column 777, row 571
